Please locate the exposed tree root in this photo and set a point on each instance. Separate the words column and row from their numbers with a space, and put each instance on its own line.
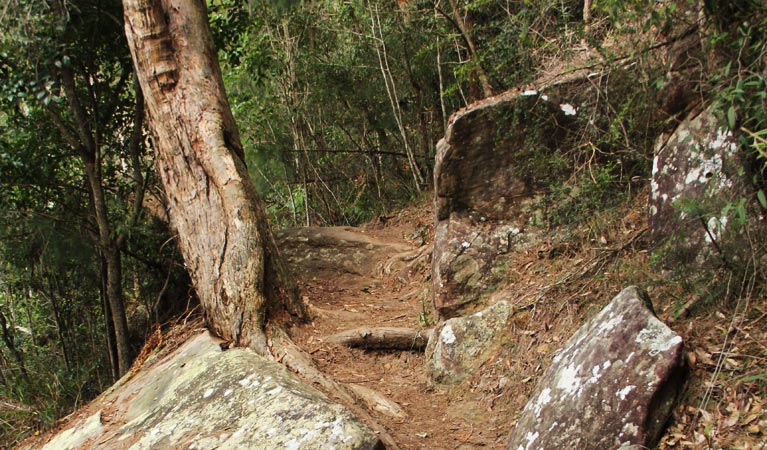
column 293, row 357
column 411, row 257
column 383, row 338
column 377, row 402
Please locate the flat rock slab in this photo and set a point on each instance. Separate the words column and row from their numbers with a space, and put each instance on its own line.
column 203, row 398
column 613, row 386
column 316, row 250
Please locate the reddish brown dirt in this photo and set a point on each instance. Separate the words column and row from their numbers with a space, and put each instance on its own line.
column 339, row 302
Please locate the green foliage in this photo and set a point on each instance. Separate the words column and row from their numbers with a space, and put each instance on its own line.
column 340, row 105
column 739, row 45
column 51, row 293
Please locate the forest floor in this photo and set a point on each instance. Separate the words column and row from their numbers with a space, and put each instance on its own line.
column 567, row 277
column 434, row 417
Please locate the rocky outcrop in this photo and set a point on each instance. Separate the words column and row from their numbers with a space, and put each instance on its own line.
column 460, row 345
column 203, row 398
column 697, row 172
column 612, row 386
column 318, row 250
column 494, row 155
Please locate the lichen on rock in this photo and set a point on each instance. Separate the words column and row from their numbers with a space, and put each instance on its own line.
column 613, row 385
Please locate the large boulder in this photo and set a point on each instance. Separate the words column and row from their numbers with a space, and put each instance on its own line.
column 201, row 397
column 494, row 155
column 612, row 386
column 698, row 179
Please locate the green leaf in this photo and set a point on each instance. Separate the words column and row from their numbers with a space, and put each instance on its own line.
column 760, row 376
column 762, row 199
column 731, row 117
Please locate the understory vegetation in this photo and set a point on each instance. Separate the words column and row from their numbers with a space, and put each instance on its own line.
column 340, row 105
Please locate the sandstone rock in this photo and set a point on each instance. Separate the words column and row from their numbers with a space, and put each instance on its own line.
column 694, row 177
column 493, row 156
column 203, row 398
column 612, row 386
column 317, row 250
column 460, row 345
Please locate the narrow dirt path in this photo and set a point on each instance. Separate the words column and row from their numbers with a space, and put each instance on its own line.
column 378, row 277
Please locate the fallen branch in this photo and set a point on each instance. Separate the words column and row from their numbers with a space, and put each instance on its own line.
column 383, row 338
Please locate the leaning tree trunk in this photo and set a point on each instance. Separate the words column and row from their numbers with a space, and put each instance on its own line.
column 222, row 231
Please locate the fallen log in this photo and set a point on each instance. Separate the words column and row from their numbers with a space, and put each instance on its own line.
column 383, row 338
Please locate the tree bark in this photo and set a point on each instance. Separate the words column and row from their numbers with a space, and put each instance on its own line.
column 222, row 231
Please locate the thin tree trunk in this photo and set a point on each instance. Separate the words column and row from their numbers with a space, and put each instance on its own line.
column 109, row 333
column 224, row 238
column 7, row 335
column 465, row 28
column 391, row 90
column 88, row 148
column 60, row 327
column 113, row 264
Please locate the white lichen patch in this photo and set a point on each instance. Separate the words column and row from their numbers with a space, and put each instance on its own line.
column 724, row 141
column 568, row 109
column 609, row 325
column 446, row 335
column 248, row 380
column 338, row 431
column 707, row 168
column 596, row 373
column 274, row 391
column 716, row 227
column 530, row 437
column 630, row 428
column 568, row 379
column 624, row 392
column 543, row 398
column 656, row 337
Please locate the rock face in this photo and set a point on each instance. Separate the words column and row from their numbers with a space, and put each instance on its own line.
column 203, row 398
column 612, row 386
column 695, row 176
column 458, row 346
column 322, row 249
column 493, row 156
